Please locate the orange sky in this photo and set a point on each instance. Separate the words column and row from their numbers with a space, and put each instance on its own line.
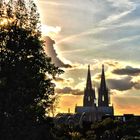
column 66, row 102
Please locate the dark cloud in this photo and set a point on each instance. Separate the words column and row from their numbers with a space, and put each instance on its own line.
column 125, row 83
column 69, row 90
column 50, row 51
column 127, row 71
column 121, row 84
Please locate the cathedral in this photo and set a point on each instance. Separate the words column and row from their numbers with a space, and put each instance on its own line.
column 94, row 109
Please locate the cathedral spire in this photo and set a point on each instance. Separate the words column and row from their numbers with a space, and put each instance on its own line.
column 89, row 83
column 103, row 97
column 89, row 93
column 103, row 81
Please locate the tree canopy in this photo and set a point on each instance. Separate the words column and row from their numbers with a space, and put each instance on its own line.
column 26, row 73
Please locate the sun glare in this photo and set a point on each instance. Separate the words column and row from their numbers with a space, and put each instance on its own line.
column 3, row 21
column 50, row 30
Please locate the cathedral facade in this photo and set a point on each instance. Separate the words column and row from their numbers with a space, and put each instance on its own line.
column 93, row 108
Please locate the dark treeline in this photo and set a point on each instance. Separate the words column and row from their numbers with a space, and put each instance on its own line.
column 26, row 74
column 107, row 129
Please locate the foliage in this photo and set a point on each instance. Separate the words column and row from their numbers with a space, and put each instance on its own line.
column 54, row 106
column 26, row 73
column 107, row 129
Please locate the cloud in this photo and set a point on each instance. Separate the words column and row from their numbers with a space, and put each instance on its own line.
column 58, row 79
column 114, row 18
column 112, row 63
column 69, row 90
column 128, row 70
column 51, row 52
column 123, row 84
column 121, row 9
column 104, row 31
column 120, row 84
column 64, row 82
column 50, row 30
column 77, row 36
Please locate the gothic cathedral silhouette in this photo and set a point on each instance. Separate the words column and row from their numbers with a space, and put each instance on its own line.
column 91, row 110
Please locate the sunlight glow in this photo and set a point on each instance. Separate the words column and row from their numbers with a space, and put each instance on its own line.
column 50, row 30
column 3, row 21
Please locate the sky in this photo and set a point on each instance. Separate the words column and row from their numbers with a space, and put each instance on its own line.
column 94, row 32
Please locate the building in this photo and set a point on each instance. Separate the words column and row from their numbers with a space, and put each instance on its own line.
column 95, row 111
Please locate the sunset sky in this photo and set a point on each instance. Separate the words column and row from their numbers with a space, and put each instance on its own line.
column 95, row 32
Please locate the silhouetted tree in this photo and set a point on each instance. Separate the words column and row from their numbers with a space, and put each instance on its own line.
column 106, row 129
column 26, row 73
column 53, row 107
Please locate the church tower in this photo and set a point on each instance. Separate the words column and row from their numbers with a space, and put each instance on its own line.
column 103, row 95
column 89, row 92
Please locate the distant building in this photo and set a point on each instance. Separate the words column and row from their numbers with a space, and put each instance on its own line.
column 92, row 111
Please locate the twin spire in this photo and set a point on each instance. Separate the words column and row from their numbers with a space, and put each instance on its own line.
column 89, row 94
column 89, row 83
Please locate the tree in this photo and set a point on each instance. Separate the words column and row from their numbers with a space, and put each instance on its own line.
column 53, row 107
column 26, row 73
